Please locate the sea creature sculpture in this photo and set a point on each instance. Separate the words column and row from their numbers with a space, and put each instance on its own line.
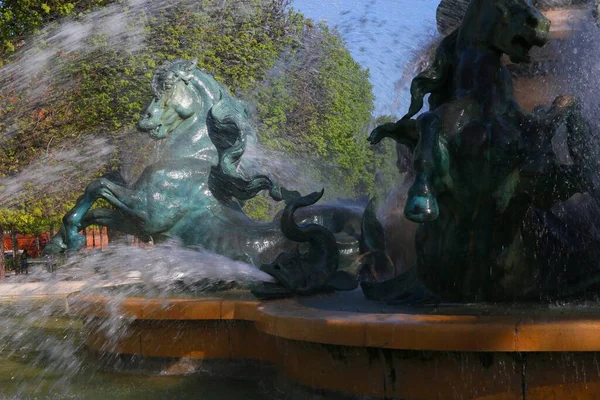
column 320, row 267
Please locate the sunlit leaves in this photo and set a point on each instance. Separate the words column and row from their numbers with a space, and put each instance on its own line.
column 20, row 18
column 307, row 95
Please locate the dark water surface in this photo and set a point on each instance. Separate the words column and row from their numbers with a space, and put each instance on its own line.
column 355, row 302
column 22, row 381
column 44, row 358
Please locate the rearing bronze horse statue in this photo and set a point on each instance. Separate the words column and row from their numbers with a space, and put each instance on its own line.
column 195, row 192
column 481, row 162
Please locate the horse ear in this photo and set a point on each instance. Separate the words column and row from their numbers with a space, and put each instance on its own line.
column 192, row 64
column 502, row 9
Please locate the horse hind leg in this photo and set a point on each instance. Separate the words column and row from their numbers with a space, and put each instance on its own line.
column 421, row 204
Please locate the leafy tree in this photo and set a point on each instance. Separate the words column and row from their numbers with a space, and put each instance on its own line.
column 318, row 104
column 20, row 18
column 384, row 171
column 312, row 99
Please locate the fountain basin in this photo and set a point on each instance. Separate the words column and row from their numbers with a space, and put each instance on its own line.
column 338, row 345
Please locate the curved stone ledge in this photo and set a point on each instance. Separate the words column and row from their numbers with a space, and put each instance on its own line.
column 289, row 319
column 167, row 309
column 450, row 353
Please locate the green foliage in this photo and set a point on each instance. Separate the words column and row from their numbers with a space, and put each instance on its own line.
column 318, row 107
column 312, row 99
column 382, row 167
column 258, row 208
column 30, row 218
column 19, row 18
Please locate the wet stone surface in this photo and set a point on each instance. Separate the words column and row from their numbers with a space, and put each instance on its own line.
column 355, row 302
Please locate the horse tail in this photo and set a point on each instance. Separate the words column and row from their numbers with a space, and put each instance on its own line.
column 435, row 78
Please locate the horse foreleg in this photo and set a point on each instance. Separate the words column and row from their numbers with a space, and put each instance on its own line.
column 582, row 147
column 405, row 132
column 112, row 219
column 556, row 185
column 421, row 204
column 126, row 200
column 552, row 182
column 115, row 219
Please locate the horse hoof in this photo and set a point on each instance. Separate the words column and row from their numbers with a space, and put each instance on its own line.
column 377, row 134
column 53, row 248
column 270, row 291
column 76, row 242
column 421, row 208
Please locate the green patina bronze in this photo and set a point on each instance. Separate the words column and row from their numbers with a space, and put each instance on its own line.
column 484, row 167
column 195, row 193
column 486, row 177
column 325, row 265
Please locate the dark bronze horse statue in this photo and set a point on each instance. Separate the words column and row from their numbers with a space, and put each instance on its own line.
column 482, row 164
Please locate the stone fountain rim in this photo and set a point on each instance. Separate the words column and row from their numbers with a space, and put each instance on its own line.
column 290, row 319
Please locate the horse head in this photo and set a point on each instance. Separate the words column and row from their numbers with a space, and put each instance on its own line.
column 174, row 101
column 511, row 26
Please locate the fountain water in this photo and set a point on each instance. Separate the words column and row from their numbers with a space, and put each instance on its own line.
column 169, row 310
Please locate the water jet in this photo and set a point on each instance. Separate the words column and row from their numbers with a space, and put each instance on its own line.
column 502, row 301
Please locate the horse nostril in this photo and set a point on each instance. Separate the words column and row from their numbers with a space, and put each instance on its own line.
column 532, row 21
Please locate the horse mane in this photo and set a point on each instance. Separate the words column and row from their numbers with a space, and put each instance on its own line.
column 208, row 84
column 228, row 115
column 229, row 129
column 436, row 79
